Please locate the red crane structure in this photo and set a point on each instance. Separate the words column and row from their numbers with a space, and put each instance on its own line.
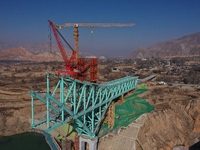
column 75, row 66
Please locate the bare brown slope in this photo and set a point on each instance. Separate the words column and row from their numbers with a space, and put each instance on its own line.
column 24, row 55
column 175, row 120
column 187, row 45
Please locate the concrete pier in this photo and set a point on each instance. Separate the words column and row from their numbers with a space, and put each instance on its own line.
column 92, row 143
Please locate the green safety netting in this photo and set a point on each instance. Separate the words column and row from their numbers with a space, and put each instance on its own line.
column 125, row 113
column 66, row 130
column 130, row 110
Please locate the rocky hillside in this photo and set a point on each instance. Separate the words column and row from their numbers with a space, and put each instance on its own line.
column 187, row 45
column 41, row 48
column 34, row 52
column 4, row 46
column 175, row 120
column 33, row 48
column 21, row 54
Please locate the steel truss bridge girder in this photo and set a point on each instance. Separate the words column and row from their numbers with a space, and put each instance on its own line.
column 81, row 104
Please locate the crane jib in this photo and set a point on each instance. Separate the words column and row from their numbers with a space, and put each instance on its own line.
column 68, row 61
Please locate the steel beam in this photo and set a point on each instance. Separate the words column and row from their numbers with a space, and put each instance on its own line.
column 81, row 104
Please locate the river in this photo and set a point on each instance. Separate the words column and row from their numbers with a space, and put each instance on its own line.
column 24, row 141
column 36, row 141
column 195, row 146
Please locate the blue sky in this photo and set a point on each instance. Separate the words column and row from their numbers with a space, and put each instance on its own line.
column 25, row 22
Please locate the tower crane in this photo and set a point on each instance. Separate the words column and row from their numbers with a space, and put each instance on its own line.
column 75, row 66
column 89, row 25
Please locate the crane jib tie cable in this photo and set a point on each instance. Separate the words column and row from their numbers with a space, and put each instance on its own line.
column 64, row 40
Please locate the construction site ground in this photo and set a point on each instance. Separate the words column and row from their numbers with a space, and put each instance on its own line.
column 16, row 80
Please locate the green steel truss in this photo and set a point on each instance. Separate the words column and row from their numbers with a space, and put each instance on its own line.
column 80, row 104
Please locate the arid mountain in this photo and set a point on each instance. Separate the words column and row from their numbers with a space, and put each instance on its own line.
column 24, row 55
column 4, row 46
column 41, row 48
column 31, row 52
column 33, row 48
column 34, row 52
column 187, row 45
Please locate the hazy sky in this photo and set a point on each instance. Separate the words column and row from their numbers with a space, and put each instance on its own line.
column 25, row 22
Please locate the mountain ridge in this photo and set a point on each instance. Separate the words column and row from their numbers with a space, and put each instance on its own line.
column 35, row 52
column 22, row 54
column 183, row 46
column 186, row 45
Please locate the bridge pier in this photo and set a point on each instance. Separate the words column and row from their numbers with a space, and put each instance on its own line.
column 92, row 143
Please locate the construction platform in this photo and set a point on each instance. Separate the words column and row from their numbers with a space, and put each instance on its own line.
column 129, row 117
column 75, row 108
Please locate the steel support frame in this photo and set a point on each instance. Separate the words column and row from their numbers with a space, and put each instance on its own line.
column 81, row 104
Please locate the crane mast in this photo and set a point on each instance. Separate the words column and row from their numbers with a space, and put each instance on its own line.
column 76, row 35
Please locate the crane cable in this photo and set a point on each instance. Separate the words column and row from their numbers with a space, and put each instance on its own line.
column 91, row 35
column 50, row 45
column 50, row 42
column 65, row 40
